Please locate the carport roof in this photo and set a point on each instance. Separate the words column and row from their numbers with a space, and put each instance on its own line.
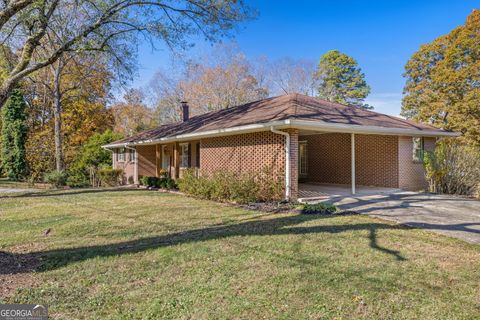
column 287, row 111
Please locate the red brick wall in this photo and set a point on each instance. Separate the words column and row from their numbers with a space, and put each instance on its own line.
column 329, row 159
column 376, row 160
column 128, row 166
column 411, row 174
column 243, row 153
column 146, row 161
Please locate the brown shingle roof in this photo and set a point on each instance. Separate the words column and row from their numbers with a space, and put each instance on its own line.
column 292, row 107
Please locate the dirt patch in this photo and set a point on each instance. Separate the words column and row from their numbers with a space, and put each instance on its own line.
column 16, row 271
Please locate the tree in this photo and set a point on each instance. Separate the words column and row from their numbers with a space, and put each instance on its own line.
column 14, row 134
column 83, row 88
column 288, row 75
column 223, row 79
column 92, row 156
column 105, row 25
column 443, row 81
column 133, row 115
column 341, row 80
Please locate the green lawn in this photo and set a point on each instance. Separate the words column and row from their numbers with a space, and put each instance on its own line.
column 144, row 254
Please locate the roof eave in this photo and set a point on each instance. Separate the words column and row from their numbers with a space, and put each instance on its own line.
column 360, row 129
column 206, row 134
column 320, row 126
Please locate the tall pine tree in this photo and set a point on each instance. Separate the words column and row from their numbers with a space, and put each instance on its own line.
column 341, row 80
column 14, row 136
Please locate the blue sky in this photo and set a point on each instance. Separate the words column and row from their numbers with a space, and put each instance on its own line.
column 381, row 35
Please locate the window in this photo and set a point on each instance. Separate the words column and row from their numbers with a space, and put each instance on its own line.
column 302, row 158
column 121, row 155
column 417, row 151
column 133, row 155
column 184, row 155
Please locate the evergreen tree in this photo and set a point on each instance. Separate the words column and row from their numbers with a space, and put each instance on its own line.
column 14, row 135
column 341, row 80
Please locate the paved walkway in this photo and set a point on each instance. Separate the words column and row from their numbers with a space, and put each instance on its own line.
column 449, row 215
column 11, row 190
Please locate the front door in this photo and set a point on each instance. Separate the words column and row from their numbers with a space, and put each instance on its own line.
column 165, row 159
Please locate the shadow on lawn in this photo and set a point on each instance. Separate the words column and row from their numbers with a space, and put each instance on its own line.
column 40, row 193
column 285, row 225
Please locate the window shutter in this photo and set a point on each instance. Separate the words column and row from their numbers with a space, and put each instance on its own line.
column 189, row 155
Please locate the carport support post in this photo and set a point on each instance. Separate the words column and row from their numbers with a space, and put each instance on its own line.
column 353, row 162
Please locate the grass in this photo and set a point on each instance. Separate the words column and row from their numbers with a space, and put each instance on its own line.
column 147, row 255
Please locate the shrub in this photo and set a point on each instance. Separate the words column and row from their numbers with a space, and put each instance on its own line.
column 163, row 182
column 319, row 208
column 77, row 180
column 233, row 187
column 56, row 178
column 91, row 158
column 110, row 177
column 453, row 168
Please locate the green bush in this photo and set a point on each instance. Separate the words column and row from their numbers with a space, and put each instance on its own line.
column 56, row 178
column 319, row 208
column 110, row 177
column 91, row 158
column 77, row 180
column 453, row 168
column 227, row 186
column 164, row 182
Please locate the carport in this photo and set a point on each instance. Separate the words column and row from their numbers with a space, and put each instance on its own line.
column 336, row 163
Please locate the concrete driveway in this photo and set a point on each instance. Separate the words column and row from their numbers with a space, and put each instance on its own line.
column 449, row 215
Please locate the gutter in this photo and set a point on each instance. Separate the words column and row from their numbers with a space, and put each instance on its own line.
column 320, row 126
column 287, row 161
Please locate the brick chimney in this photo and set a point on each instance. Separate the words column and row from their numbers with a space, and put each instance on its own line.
column 185, row 111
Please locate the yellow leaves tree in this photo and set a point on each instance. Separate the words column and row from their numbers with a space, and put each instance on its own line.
column 132, row 115
column 84, row 86
column 443, row 81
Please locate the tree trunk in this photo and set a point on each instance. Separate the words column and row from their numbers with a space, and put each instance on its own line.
column 57, row 111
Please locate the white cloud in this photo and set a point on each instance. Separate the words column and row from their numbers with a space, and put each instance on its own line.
column 388, row 103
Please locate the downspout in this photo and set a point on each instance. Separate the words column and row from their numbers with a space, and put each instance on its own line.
column 287, row 161
column 135, row 167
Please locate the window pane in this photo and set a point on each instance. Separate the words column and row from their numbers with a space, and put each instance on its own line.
column 184, row 155
column 417, row 149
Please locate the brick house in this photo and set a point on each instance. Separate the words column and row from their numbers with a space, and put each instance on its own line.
column 305, row 139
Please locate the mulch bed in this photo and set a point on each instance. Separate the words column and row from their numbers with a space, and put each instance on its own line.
column 286, row 207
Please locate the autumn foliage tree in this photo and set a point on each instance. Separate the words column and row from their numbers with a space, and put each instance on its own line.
column 132, row 115
column 222, row 80
column 443, row 81
column 105, row 26
column 84, row 95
